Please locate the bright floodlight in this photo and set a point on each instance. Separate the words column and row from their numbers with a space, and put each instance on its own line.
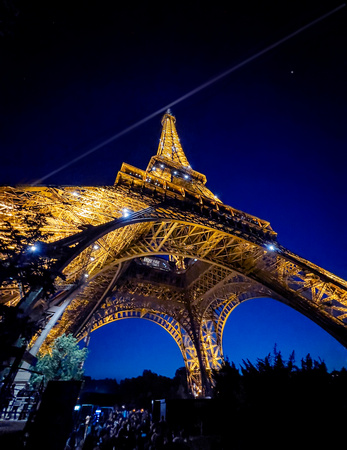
column 271, row 247
column 33, row 248
column 125, row 212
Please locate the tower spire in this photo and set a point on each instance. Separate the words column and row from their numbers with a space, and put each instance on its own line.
column 169, row 144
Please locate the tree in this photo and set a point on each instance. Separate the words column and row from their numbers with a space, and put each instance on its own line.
column 227, row 382
column 22, row 259
column 181, row 384
column 273, row 399
column 63, row 362
column 24, row 266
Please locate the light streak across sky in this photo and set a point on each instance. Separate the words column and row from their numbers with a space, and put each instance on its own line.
column 189, row 94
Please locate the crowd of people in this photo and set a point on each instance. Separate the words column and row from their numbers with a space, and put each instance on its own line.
column 133, row 430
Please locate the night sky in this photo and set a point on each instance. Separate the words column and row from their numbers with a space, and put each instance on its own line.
column 270, row 137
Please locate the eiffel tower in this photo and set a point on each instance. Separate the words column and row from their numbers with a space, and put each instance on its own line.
column 159, row 245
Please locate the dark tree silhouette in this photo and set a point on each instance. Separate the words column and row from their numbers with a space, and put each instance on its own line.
column 274, row 401
column 22, row 254
column 23, row 266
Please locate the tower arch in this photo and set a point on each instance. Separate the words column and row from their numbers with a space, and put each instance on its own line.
column 258, row 325
column 111, row 313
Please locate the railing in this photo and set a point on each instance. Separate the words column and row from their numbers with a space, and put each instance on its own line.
column 18, row 408
column 22, row 405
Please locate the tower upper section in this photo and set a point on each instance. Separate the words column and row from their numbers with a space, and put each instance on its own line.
column 169, row 176
column 171, row 164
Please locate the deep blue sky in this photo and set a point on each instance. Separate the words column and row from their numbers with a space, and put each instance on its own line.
column 271, row 138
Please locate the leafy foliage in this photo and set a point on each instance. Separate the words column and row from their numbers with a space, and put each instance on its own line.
column 64, row 361
column 18, row 261
column 277, row 399
column 23, row 268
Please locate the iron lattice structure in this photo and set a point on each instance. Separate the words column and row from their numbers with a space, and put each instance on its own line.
column 158, row 245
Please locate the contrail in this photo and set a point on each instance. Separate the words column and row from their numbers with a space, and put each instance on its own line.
column 189, row 94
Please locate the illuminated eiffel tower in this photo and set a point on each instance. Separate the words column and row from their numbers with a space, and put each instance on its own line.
column 158, row 245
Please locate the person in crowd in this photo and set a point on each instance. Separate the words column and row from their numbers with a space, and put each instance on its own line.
column 136, row 431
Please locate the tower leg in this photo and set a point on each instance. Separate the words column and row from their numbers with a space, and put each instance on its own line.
column 211, row 349
column 205, row 385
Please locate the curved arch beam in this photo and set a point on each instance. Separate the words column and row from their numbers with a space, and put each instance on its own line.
column 112, row 314
column 309, row 289
column 213, row 323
